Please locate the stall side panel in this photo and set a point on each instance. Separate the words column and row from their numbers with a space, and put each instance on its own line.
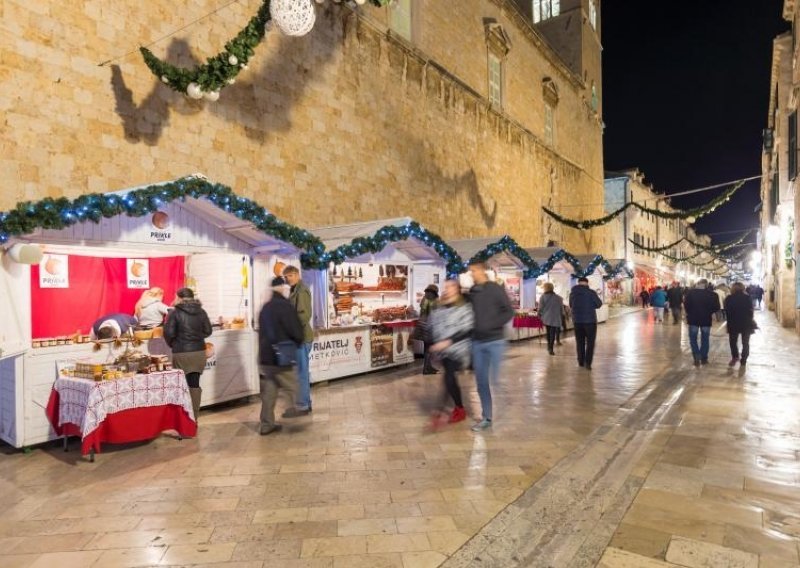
column 11, row 400
column 40, row 374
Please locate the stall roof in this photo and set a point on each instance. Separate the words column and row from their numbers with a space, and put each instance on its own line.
column 542, row 254
column 586, row 259
column 226, row 221
column 334, row 236
column 468, row 248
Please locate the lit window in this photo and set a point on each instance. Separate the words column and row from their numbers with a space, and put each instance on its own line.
column 549, row 125
column 593, row 14
column 545, row 9
column 495, row 80
column 400, row 18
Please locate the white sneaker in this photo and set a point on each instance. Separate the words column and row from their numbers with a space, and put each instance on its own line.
column 482, row 425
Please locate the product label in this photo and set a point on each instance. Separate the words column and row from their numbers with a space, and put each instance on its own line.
column 54, row 271
column 138, row 273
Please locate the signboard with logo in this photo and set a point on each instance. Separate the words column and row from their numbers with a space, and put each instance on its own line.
column 160, row 230
column 403, row 349
column 382, row 346
column 340, row 353
column 138, row 273
column 54, row 271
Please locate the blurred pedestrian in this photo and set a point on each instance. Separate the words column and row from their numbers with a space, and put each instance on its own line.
column 659, row 302
column 739, row 311
column 645, row 296
column 280, row 334
column 451, row 325
column 701, row 304
column 300, row 298
column 551, row 309
column 721, row 295
column 584, row 303
column 758, row 295
column 675, row 299
column 492, row 311
column 426, row 307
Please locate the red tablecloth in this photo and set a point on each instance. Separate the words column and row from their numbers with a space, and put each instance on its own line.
column 398, row 323
column 528, row 321
column 121, row 411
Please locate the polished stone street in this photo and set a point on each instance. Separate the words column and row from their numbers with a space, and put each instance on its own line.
column 644, row 461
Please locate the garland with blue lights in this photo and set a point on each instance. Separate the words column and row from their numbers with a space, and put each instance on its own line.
column 319, row 259
column 691, row 215
column 59, row 213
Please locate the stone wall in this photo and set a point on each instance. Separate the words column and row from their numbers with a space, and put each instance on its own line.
column 345, row 124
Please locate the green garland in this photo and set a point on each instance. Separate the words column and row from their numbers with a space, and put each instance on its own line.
column 695, row 213
column 221, row 69
column 59, row 213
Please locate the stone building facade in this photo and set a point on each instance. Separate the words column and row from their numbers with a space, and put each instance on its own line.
column 780, row 178
column 377, row 113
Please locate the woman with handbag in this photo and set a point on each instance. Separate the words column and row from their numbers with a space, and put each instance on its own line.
column 452, row 325
column 739, row 311
column 551, row 310
column 185, row 332
column 280, row 333
column 423, row 331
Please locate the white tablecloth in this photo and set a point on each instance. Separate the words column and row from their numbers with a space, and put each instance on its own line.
column 87, row 403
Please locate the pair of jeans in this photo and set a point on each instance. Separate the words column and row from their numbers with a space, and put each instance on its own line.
column 303, row 376
column 701, row 351
column 733, row 337
column 676, row 314
column 585, row 335
column 451, row 367
column 486, row 359
column 552, row 336
column 272, row 380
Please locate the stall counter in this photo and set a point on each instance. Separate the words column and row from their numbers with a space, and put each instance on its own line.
column 343, row 351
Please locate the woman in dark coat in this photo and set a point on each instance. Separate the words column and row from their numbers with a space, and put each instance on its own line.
column 185, row 331
column 426, row 306
column 739, row 310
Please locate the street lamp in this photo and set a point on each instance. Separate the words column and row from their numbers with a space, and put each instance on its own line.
column 773, row 235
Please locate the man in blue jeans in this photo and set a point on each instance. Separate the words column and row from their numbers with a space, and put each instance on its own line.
column 300, row 298
column 492, row 311
column 700, row 305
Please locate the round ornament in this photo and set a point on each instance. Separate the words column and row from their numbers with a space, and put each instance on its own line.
column 293, row 17
column 691, row 219
column 194, row 91
column 233, row 60
column 211, row 96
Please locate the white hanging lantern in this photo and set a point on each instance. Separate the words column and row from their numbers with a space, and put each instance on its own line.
column 691, row 219
column 293, row 17
column 211, row 96
column 24, row 253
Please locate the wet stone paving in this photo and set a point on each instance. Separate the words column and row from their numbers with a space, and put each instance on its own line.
column 646, row 461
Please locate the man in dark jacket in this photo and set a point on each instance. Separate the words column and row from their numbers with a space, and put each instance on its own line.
column 675, row 299
column 701, row 304
column 279, row 328
column 584, row 303
column 492, row 311
column 300, row 298
column 739, row 309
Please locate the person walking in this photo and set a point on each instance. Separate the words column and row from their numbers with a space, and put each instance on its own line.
column 739, row 311
column 492, row 311
column 426, row 307
column 584, row 303
column 659, row 302
column 759, row 295
column 185, row 332
column 451, row 326
column 645, row 296
column 721, row 295
column 675, row 299
column 551, row 307
column 701, row 304
column 300, row 298
column 280, row 335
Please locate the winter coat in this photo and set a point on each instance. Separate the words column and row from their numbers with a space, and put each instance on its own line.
column 125, row 323
column 278, row 322
column 658, row 299
column 675, row 297
column 584, row 302
column 739, row 311
column 492, row 311
column 454, row 322
column 551, row 306
column 300, row 298
column 187, row 327
column 701, row 304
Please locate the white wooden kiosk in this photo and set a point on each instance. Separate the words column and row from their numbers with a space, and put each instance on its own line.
column 221, row 254
column 506, row 269
column 365, row 308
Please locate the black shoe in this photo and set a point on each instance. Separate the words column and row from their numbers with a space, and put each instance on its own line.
column 704, row 362
column 295, row 412
column 696, row 361
column 551, row 352
column 271, row 430
column 430, row 372
column 580, row 364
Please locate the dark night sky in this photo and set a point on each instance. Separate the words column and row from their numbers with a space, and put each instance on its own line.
column 686, row 95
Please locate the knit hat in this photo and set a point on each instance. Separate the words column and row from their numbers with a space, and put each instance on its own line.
column 278, row 281
column 432, row 288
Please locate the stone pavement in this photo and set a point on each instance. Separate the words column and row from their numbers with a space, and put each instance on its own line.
column 645, row 461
